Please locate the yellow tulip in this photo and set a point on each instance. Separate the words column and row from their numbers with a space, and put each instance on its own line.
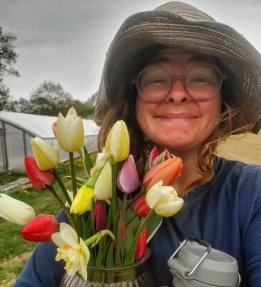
column 164, row 199
column 102, row 187
column 118, row 142
column 15, row 211
column 69, row 131
column 82, row 200
column 46, row 155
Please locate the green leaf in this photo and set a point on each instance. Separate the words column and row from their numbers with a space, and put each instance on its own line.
column 153, row 225
column 87, row 162
column 79, row 181
column 109, row 258
column 87, row 228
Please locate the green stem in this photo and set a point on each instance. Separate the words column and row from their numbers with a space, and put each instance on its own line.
column 74, row 187
column 114, row 197
column 93, row 238
column 129, row 259
column 130, row 220
column 62, row 186
column 64, row 208
column 119, row 234
column 132, row 201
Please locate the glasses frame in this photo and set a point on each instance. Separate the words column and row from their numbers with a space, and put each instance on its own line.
column 182, row 79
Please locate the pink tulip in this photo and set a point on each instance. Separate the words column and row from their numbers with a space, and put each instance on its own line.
column 128, row 179
column 167, row 171
column 38, row 178
column 54, row 125
column 40, row 229
column 99, row 220
column 154, row 158
column 141, row 207
column 142, row 242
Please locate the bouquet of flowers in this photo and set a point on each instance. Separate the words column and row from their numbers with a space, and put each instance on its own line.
column 117, row 225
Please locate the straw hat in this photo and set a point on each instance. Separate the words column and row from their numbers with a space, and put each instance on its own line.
column 181, row 25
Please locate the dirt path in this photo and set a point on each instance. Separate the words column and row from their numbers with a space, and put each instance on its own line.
column 8, row 264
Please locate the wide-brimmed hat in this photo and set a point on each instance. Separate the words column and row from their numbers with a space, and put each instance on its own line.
column 181, row 25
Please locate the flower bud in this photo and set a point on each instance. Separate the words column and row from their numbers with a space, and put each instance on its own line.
column 141, row 207
column 99, row 220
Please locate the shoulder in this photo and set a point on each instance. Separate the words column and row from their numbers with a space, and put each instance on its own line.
column 239, row 172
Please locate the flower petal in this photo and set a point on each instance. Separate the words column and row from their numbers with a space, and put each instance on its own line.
column 76, row 135
column 62, row 132
column 169, row 209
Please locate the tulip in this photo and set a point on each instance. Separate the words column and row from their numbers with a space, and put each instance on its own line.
column 40, row 229
column 167, row 171
column 99, row 220
column 154, row 158
column 69, row 131
column 38, row 178
column 72, row 250
column 54, row 126
column 163, row 199
column 46, row 155
column 15, row 211
column 82, row 200
column 141, row 246
column 103, row 187
column 128, row 178
column 141, row 207
column 118, row 141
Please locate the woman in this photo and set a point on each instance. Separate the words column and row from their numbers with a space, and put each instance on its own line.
column 182, row 81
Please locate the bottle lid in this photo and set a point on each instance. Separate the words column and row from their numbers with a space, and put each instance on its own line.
column 216, row 269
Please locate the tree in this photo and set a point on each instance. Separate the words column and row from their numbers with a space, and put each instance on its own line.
column 7, row 59
column 92, row 100
column 49, row 98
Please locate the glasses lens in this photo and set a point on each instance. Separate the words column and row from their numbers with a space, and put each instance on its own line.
column 203, row 82
column 154, row 84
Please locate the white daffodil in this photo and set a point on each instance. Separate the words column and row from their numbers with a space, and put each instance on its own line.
column 76, row 255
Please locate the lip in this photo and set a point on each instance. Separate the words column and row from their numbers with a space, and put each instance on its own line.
column 176, row 116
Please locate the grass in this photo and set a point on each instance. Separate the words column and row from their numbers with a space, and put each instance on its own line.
column 14, row 250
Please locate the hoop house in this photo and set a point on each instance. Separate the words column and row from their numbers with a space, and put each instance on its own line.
column 16, row 130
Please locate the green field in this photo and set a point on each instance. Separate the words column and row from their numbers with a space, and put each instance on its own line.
column 14, row 250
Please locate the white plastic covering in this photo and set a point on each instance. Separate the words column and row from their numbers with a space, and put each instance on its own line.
column 16, row 130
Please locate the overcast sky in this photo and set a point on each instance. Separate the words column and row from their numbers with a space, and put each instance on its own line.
column 66, row 40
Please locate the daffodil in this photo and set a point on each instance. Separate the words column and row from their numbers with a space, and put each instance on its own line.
column 72, row 250
column 164, row 199
column 46, row 155
column 103, row 184
column 82, row 200
column 69, row 131
column 15, row 211
column 118, row 142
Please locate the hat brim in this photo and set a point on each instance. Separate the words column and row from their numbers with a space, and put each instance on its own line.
column 146, row 29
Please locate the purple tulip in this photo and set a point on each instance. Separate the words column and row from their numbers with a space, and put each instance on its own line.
column 128, row 179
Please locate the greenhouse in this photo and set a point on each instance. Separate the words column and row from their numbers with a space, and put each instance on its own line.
column 16, row 130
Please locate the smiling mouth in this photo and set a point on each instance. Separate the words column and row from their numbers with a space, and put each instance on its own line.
column 181, row 116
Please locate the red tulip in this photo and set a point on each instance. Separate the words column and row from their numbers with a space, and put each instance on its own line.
column 99, row 219
column 167, row 171
column 40, row 229
column 141, row 207
column 38, row 178
column 154, row 158
column 54, row 125
column 128, row 178
column 142, row 242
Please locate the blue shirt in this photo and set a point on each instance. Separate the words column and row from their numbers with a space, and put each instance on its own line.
column 225, row 212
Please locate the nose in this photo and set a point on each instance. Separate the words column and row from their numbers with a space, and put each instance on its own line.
column 178, row 93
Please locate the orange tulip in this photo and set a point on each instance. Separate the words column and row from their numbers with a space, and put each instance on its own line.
column 167, row 171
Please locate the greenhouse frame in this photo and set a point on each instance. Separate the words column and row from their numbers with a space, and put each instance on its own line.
column 16, row 130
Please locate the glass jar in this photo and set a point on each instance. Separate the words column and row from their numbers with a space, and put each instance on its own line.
column 137, row 274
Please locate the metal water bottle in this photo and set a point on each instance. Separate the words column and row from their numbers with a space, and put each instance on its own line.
column 199, row 265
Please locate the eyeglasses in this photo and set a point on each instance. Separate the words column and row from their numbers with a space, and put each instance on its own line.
column 202, row 82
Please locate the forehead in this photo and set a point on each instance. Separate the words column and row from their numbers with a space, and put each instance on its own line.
column 177, row 55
